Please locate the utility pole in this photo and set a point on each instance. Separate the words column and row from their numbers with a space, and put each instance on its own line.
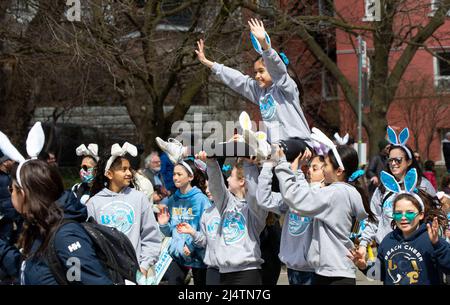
column 362, row 60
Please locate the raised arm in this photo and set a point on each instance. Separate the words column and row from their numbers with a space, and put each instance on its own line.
column 251, row 179
column 216, row 183
column 235, row 80
column 274, row 65
column 298, row 195
column 268, row 200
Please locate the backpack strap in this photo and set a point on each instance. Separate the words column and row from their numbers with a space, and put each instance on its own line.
column 54, row 263
column 385, row 198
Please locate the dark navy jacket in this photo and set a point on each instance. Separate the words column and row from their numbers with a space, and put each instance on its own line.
column 72, row 244
column 9, row 215
column 414, row 260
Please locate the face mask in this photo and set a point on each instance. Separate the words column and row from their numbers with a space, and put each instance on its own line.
column 397, row 216
column 87, row 175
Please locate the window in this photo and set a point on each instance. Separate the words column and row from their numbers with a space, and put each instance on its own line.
column 372, row 9
column 442, row 71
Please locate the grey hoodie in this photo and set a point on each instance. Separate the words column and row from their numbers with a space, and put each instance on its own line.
column 382, row 210
column 208, row 235
column 334, row 208
column 242, row 221
column 296, row 234
column 279, row 104
column 130, row 212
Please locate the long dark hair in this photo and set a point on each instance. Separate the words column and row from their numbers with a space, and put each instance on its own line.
column 100, row 180
column 42, row 186
column 432, row 208
column 350, row 160
column 199, row 176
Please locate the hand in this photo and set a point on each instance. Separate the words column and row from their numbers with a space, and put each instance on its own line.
column 433, row 231
column 279, row 153
column 358, row 259
column 202, row 156
column 375, row 181
column 144, row 272
column 164, row 216
column 201, row 54
column 304, row 157
column 257, row 29
column 362, row 251
column 186, row 251
column 185, row 228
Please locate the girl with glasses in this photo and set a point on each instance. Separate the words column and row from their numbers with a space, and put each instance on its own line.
column 413, row 253
column 400, row 161
column 88, row 170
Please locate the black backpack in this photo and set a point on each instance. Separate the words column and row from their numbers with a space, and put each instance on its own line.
column 113, row 249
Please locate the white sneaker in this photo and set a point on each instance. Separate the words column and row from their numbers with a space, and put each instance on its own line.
column 172, row 147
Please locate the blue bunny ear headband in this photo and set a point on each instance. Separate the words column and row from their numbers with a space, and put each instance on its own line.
column 256, row 44
column 410, row 182
column 258, row 48
column 400, row 140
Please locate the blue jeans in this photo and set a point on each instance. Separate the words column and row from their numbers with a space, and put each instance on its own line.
column 296, row 277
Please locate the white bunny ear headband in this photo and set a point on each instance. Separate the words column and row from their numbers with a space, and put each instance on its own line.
column 9, row 150
column 35, row 143
column 410, row 182
column 320, row 137
column 91, row 150
column 117, row 151
column 343, row 140
column 400, row 140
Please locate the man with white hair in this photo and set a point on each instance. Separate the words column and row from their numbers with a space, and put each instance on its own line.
column 153, row 168
column 446, row 151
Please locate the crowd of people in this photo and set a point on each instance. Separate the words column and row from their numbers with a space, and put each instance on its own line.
column 300, row 200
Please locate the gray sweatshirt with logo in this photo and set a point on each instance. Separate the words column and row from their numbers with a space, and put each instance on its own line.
column 208, row 235
column 131, row 213
column 381, row 207
column 279, row 104
column 296, row 233
column 334, row 208
column 242, row 221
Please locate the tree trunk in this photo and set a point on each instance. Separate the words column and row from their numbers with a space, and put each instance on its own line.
column 376, row 130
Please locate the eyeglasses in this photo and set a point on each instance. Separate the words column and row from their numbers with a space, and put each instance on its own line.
column 85, row 168
column 397, row 216
column 396, row 160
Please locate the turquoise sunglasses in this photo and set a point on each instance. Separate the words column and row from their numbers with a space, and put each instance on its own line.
column 397, row 216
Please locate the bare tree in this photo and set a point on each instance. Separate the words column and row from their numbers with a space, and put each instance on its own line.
column 405, row 26
column 424, row 111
